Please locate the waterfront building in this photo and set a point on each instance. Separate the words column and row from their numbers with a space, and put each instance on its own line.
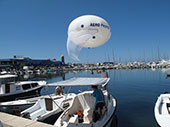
column 18, row 63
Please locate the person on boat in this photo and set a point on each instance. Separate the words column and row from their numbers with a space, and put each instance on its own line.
column 99, row 104
column 59, row 91
column 104, row 74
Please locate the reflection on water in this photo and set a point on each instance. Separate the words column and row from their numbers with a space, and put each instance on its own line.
column 114, row 121
column 46, row 76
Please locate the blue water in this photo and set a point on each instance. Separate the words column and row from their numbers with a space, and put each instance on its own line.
column 136, row 92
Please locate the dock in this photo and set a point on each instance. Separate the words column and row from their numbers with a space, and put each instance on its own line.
column 15, row 121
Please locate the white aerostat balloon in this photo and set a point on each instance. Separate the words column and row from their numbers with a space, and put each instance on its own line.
column 88, row 31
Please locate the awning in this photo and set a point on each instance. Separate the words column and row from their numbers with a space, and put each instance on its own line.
column 81, row 82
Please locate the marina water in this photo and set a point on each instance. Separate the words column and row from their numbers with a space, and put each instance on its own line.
column 136, row 92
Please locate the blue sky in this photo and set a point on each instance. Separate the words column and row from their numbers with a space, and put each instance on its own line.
column 38, row 28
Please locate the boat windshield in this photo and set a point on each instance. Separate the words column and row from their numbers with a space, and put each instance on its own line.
column 26, row 86
column 34, row 84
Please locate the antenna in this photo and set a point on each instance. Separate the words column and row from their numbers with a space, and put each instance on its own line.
column 113, row 55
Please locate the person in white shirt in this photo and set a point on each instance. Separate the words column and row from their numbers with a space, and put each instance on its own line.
column 104, row 74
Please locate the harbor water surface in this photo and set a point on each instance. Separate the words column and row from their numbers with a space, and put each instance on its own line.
column 136, row 92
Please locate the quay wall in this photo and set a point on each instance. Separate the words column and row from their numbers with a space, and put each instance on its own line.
column 15, row 121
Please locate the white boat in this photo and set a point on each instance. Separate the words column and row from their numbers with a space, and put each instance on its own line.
column 15, row 107
column 48, row 107
column 162, row 110
column 11, row 90
column 83, row 104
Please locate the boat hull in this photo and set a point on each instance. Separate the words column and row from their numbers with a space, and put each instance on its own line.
column 162, row 110
column 15, row 109
column 25, row 94
column 109, row 120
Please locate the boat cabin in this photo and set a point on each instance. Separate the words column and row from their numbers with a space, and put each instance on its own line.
column 7, row 79
column 12, row 87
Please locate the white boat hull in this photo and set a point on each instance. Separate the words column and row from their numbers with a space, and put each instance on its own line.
column 13, row 107
column 47, row 107
column 20, row 90
column 162, row 110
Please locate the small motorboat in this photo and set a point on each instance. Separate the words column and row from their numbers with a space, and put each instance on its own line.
column 80, row 112
column 17, row 106
column 162, row 110
column 11, row 90
column 48, row 107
